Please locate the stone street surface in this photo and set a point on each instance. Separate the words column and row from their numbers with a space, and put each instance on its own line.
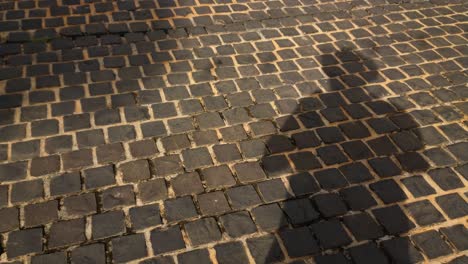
column 233, row 131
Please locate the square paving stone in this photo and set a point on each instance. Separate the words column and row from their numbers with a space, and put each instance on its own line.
column 304, row 161
column 393, row 219
column 201, row 256
column 432, row 244
column 300, row 211
column 265, row 249
column 108, row 224
column 56, row 257
column 388, row 191
column 195, row 158
column 337, row 258
column 446, row 178
column 143, row 148
column 238, row 224
column 152, row 190
column 363, row 226
column 357, row 150
column 77, row 159
column 330, row 179
column 99, row 177
column 331, row 155
column 412, row 161
column 65, row 184
column 439, row 157
column 276, row 165
column 382, row 146
column 453, row 205
column 219, row 176
column 329, row 204
column 176, row 142
column 306, row 139
column 273, row 190
column 110, row 153
column 384, row 167
column 242, row 197
column 457, row 235
column 135, row 171
column 145, row 216
column 401, row 250
column 424, row 213
column 331, row 234
column 367, row 254
column 167, row 240
column 179, row 209
column 79, row 205
column 169, row 164
column 249, row 171
column 303, row 183
column 230, row 253
column 127, row 248
column 269, row 217
column 213, row 203
column 226, row 153
column 94, row 253
column 458, row 150
column 299, row 242
column 278, row 143
column 358, row 198
column 187, row 183
column 118, row 196
column 356, row 172
column 10, row 218
column 418, row 186
column 159, row 260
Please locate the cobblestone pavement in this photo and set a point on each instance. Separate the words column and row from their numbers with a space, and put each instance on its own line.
column 224, row 131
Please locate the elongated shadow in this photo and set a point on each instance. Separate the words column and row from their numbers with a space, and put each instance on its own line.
column 348, row 150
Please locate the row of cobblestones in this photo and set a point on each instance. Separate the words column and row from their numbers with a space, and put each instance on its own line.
column 223, row 131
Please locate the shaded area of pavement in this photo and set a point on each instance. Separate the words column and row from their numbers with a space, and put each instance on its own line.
column 233, row 132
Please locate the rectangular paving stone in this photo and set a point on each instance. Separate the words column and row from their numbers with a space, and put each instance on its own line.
column 99, row 176
column 127, row 248
column 118, row 196
column 11, row 219
column 23, row 242
column 95, row 253
column 13, row 171
column 26, row 191
column 41, row 213
column 108, row 224
column 202, row 231
column 79, row 205
column 66, row 233
column 145, row 216
column 77, row 159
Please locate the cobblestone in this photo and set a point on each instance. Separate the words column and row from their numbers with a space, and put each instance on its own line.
column 233, row 131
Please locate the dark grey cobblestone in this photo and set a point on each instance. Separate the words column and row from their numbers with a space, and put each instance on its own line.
column 233, row 131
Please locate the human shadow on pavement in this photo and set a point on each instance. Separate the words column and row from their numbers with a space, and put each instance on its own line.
column 349, row 151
